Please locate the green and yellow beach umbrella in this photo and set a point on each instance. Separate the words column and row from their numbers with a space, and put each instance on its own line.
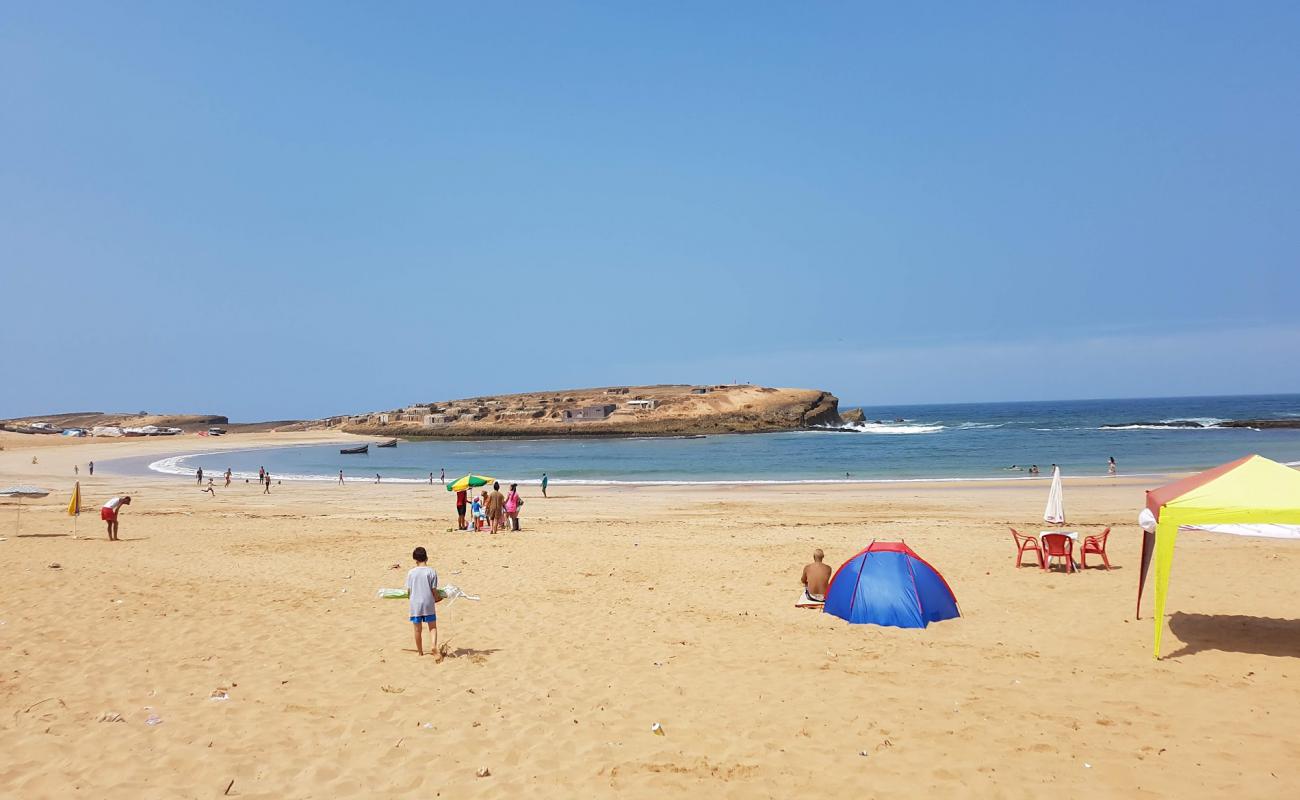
column 469, row 482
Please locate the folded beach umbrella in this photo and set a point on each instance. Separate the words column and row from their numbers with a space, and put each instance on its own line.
column 20, row 492
column 888, row 584
column 1055, row 511
column 469, row 482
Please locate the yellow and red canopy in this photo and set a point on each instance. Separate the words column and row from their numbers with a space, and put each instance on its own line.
column 1249, row 491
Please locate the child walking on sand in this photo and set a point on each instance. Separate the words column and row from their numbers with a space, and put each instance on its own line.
column 422, row 583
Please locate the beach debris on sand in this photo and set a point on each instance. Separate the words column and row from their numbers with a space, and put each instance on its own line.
column 153, row 720
column 111, row 716
column 219, row 693
column 55, row 565
column 657, row 729
column 392, row 689
column 483, row 772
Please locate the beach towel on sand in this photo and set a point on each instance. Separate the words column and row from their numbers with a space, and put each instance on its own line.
column 450, row 593
column 809, row 601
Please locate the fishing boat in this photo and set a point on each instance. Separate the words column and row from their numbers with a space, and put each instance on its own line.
column 389, row 443
column 353, row 451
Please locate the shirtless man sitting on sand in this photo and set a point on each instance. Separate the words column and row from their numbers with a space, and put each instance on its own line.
column 816, row 577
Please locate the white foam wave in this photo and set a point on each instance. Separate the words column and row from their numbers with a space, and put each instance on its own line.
column 1208, row 422
column 891, row 428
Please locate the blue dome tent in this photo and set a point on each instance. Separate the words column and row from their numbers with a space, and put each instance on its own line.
column 888, row 584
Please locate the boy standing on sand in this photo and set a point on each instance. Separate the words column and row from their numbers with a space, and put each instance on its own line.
column 422, row 584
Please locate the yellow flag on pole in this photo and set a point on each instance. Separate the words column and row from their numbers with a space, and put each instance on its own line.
column 74, row 506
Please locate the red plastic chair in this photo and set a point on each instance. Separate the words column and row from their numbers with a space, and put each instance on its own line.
column 1097, row 546
column 1058, row 545
column 1026, row 543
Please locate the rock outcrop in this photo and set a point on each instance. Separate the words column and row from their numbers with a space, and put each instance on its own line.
column 676, row 410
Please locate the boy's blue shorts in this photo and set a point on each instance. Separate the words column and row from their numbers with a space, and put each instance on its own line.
column 425, row 618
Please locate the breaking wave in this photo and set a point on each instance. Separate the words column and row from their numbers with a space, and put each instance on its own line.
column 892, row 428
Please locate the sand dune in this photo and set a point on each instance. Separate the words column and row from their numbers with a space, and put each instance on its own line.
column 615, row 609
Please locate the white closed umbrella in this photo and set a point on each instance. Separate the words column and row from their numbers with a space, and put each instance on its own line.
column 1055, row 512
column 20, row 492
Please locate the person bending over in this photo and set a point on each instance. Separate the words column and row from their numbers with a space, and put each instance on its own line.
column 109, row 514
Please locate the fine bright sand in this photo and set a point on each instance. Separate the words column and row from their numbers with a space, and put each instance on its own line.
column 613, row 610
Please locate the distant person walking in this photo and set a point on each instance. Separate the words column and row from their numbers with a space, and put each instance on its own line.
column 340, row 477
column 109, row 514
column 544, row 482
column 228, row 473
column 430, row 478
column 266, row 482
column 442, row 475
column 261, row 474
column 200, row 474
column 376, row 477
column 92, row 469
column 76, row 470
column 513, row 503
column 1111, row 467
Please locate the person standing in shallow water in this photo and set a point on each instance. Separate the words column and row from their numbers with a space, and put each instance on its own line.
column 1111, row 467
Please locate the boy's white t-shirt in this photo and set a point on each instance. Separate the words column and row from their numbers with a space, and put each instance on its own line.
column 421, row 582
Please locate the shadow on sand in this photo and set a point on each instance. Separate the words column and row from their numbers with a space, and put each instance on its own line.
column 473, row 654
column 1235, row 634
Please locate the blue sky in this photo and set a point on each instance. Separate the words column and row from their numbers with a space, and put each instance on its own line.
column 286, row 210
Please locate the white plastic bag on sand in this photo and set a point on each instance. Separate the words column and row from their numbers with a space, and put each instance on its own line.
column 451, row 592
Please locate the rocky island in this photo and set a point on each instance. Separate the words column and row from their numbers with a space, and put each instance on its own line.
column 662, row 410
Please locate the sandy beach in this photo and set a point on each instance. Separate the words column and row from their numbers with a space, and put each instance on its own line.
column 614, row 609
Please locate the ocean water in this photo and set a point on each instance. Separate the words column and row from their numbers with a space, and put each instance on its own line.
column 967, row 442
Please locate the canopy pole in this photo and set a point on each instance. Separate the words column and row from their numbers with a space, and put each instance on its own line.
column 1148, row 547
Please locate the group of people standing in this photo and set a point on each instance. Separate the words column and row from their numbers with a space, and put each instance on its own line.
column 491, row 510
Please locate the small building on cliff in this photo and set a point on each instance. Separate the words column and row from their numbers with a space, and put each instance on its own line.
column 588, row 413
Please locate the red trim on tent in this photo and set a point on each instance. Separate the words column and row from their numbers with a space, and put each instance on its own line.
column 1157, row 498
column 932, row 569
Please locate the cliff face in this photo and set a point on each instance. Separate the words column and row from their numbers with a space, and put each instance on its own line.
column 826, row 411
column 613, row 411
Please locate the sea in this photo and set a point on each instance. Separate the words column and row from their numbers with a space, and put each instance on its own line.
column 964, row 442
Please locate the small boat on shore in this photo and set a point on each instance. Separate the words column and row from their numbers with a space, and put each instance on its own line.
column 389, row 443
column 354, row 451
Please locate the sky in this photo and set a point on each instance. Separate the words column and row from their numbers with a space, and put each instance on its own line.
column 291, row 210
